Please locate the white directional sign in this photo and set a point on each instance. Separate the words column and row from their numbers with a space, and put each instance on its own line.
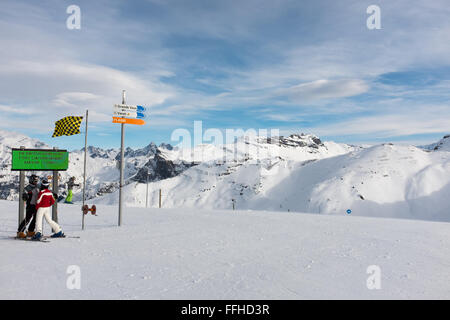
column 126, row 107
column 129, row 114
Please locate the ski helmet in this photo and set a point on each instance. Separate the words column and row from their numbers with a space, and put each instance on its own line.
column 44, row 183
column 34, row 179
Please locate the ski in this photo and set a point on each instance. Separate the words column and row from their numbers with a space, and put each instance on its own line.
column 29, row 239
column 69, row 237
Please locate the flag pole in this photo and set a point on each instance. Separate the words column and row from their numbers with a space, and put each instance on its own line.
column 84, row 173
column 121, row 164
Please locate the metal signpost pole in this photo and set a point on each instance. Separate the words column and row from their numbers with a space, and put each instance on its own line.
column 121, row 163
column 146, row 195
column 21, row 188
column 123, row 114
column 55, row 190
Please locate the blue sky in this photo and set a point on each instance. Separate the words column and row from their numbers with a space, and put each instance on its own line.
column 297, row 66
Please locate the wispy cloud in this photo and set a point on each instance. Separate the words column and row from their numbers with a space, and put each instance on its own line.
column 398, row 123
column 325, row 89
column 8, row 109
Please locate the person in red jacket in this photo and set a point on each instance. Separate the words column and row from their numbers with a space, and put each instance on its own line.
column 45, row 200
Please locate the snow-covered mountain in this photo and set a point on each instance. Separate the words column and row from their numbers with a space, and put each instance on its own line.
column 385, row 180
column 294, row 173
column 102, row 169
column 442, row 145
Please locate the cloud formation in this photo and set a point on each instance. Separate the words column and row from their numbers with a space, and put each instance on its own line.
column 257, row 63
column 326, row 89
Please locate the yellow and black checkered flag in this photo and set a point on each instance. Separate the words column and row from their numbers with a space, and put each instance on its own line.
column 67, row 126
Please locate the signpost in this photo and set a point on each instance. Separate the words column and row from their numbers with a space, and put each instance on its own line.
column 125, row 114
column 38, row 160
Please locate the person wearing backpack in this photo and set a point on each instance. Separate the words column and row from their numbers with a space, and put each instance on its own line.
column 29, row 195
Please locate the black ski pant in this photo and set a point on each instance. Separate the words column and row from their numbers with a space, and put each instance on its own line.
column 30, row 215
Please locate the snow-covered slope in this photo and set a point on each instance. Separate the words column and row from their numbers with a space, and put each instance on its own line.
column 204, row 254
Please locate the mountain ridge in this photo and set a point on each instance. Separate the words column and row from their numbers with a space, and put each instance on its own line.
column 298, row 172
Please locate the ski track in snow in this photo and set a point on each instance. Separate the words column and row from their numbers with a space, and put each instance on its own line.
column 206, row 254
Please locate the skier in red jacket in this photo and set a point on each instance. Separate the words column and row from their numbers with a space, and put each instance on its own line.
column 44, row 203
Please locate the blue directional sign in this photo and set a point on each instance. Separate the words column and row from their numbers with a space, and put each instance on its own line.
column 141, row 109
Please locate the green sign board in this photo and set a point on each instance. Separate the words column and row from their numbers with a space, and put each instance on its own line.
column 39, row 160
